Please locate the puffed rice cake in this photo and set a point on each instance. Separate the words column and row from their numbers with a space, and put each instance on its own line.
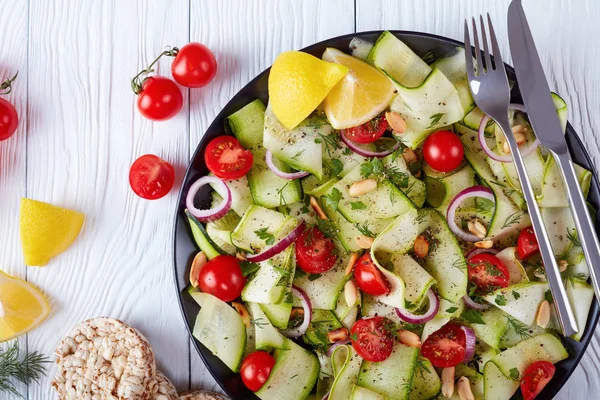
column 162, row 388
column 201, row 395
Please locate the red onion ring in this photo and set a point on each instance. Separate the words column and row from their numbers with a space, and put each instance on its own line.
column 336, row 345
column 494, row 156
column 473, row 304
column 434, row 306
column 476, row 251
column 214, row 213
column 471, row 339
column 473, row 191
column 356, row 147
column 280, row 173
column 301, row 330
column 278, row 247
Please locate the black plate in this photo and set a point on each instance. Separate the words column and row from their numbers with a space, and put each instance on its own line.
column 185, row 249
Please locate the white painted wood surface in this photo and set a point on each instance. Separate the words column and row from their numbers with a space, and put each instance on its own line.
column 80, row 131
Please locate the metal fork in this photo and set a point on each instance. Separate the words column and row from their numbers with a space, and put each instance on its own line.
column 491, row 92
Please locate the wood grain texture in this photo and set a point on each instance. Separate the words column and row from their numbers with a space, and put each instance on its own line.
column 80, row 131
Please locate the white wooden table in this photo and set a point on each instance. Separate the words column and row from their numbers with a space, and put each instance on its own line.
column 80, row 131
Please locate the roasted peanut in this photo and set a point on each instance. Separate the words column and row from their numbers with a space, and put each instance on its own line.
column 421, row 246
column 317, row 207
column 543, row 314
column 464, row 389
column 448, row 381
column 409, row 338
column 197, row 265
column 397, row 123
column 337, row 334
column 362, row 187
column 351, row 262
column 239, row 307
column 484, row 244
column 364, row 242
column 350, row 293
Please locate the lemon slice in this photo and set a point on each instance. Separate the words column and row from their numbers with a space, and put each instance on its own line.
column 46, row 230
column 22, row 307
column 358, row 98
column 298, row 83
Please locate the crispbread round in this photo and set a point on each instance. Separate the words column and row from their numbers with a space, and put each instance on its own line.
column 104, row 358
column 162, row 388
column 201, row 395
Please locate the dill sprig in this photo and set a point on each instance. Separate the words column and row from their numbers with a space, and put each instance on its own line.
column 521, row 330
column 26, row 368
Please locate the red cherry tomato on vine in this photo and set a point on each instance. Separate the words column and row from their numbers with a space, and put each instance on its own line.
column 151, row 177
column 222, row 277
column 527, row 244
column 255, row 369
column 535, row 378
column 194, row 65
column 160, row 98
column 9, row 119
column 227, row 159
column 443, row 151
column 446, row 346
column 314, row 252
column 372, row 339
column 369, row 278
column 369, row 131
column 487, row 272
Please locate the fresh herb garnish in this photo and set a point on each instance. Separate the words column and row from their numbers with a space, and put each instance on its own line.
column 572, row 236
column 428, row 57
column 27, row 368
column 434, row 119
column 312, row 277
column 516, row 294
column 280, row 194
column 373, row 167
column 298, row 154
column 513, row 218
column 263, row 234
column 397, row 177
column 358, row 205
column 334, row 167
column 520, row 329
column 514, row 374
column 333, row 199
column 259, row 322
column 451, row 310
column 500, row 300
column 330, row 141
column 248, row 267
column 473, row 316
column 364, row 229
column 548, row 296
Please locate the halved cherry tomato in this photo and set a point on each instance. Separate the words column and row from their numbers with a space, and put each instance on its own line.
column 487, row 272
column 527, row 244
column 535, row 378
column 369, row 131
column 443, row 151
column 160, row 98
column 255, row 369
column 222, row 277
column 151, row 177
column 194, row 65
column 369, row 278
column 372, row 339
column 446, row 346
column 226, row 158
column 314, row 251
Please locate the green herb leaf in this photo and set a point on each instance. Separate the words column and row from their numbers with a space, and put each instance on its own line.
column 434, row 119
column 548, row 296
column 473, row 316
column 572, row 236
column 451, row 310
column 513, row 218
column 298, row 154
column 518, row 327
column 398, row 178
column 514, row 374
column 333, row 199
column 312, row 277
column 264, row 235
column 22, row 366
column 358, row 205
column 500, row 300
column 334, row 167
column 364, row 229
column 516, row 294
column 373, row 167
column 248, row 267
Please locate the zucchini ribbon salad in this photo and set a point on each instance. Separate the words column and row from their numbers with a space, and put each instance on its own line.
column 368, row 238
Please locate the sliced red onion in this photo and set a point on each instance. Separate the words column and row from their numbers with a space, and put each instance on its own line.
column 279, row 246
column 470, row 343
column 213, row 213
column 358, row 149
column 476, row 251
column 280, row 173
column 434, row 306
column 473, row 191
column 494, row 156
column 473, row 304
column 301, row 330
column 336, row 345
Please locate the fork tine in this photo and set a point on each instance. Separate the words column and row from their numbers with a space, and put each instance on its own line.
column 498, row 63
column 477, row 49
column 486, row 50
column 468, row 53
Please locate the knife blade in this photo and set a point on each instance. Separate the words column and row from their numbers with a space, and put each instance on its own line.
column 532, row 81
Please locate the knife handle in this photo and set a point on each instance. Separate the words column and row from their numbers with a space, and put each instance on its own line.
column 585, row 227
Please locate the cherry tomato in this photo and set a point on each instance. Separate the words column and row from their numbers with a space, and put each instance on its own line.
column 369, row 278
column 487, row 272
column 527, row 244
column 369, row 131
column 194, row 65
column 314, row 252
column 372, row 339
column 160, row 98
column 9, row 119
column 222, row 277
column 151, row 177
column 255, row 369
column 443, row 151
column 226, row 158
column 535, row 378
column 446, row 346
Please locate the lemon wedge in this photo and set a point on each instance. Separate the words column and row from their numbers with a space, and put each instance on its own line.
column 358, row 98
column 298, row 83
column 22, row 307
column 46, row 230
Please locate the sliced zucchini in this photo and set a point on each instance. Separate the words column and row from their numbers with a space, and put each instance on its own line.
column 321, row 323
column 522, row 300
column 272, row 282
column 412, row 187
column 345, row 232
column 346, row 365
column 202, row 239
column 515, row 269
column 494, row 328
column 432, row 326
column 241, row 198
column 266, row 336
column 360, row 48
column 247, row 124
column 399, row 236
column 417, row 281
column 220, row 231
column 323, row 289
column 496, row 385
column 426, row 383
column 453, row 66
column 361, row 393
column 475, row 380
column 553, row 192
column 441, row 191
column 278, row 314
column 259, row 225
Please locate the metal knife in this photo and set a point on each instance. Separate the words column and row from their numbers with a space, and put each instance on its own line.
column 544, row 120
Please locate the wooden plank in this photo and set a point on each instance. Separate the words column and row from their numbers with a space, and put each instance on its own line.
column 246, row 39
column 13, row 58
column 84, row 134
column 562, row 31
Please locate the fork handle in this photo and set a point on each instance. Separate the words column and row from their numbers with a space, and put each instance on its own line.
column 585, row 227
column 564, row 310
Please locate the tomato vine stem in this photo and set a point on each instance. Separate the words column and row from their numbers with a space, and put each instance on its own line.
column 137, row 82
column 6, row 86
